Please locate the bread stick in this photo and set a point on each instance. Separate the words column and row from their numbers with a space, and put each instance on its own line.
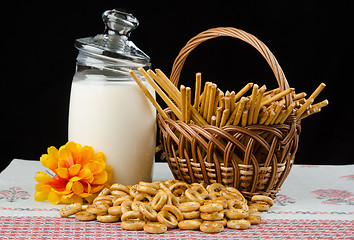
column 147, row 94
column 198, row 82
column 257, row 105
column 253, row 100
column 243, row 91
column 184, row 102
column 276, row 97
column 211, row 102
column 239, row 110
column 317, row 91
column 188, row 102
column 219, row 111
column 224, row 117
column 207, row 99
column 303, row 108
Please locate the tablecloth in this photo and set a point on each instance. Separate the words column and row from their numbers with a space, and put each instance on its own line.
column 315, row 202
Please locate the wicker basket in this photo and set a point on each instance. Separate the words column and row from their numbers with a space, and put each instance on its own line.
column 255, row 159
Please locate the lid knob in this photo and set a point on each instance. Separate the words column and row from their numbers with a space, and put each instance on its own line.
column 119, row 22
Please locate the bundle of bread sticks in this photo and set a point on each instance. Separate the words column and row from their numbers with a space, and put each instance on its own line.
column 212, row 106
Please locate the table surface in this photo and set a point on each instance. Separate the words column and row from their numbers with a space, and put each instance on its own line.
column 316, row 202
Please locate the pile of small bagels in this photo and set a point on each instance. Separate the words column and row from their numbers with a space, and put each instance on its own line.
column 158, row 206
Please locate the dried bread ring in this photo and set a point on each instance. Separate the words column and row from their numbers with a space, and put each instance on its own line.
column 143, row 197
column 118, row 193
column 152, row 184
column 132, row 215
column 159, row 200
column 174, row 210
column 236, row 213
column 133, row 192
column 191, row 215
column 69, row 210
column 189, row 206
column 120, row 187
column 98, row 209
column 84, row 206
column 167, row 218
column 135, row 205
column 179, row 192
column 177, row 185
column 221, row 200
column 214, row 216
column 115, row 210
column 238, row 224
column 146, row 189
column 211, row 207
column 262, row 198
column 254, row 219
column 211, row 227
column 237, row 204
column 192, row 224
column 148, row 212
column 126, row 206
column 222, row 221
column 107, row 218
column 172, row 199
column 85, row 216
column 120, row 200
column 260, row 206
column 132, row 225
column 183, row 199
column 104, row 191
column 103, row 198
column 104, row 202
column 155, row 227
column 215, row 188
column 199, row 188
column 237, row 193
column 194, row 196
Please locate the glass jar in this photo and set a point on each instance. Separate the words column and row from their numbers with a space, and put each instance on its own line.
column 108, row 111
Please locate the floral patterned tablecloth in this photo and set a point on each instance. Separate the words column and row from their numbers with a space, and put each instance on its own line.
column 316, row 202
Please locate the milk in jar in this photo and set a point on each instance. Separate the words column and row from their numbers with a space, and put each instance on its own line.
column 108, row 111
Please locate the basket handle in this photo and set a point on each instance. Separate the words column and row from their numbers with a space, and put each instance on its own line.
column 235, row 33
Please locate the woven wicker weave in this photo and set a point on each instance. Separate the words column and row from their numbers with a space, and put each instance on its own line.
column 255, row 159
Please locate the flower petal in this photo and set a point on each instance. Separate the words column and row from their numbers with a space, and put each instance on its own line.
column 65, row 158
column 85, row 195
column 76, row 199
column 100, row 178
column 58, row 183
column 109, row 171
column 86, row 174
column 96, row 189
column 90, row 198
column 86, row 154
column 49, row 161
column 96, row 167
column 73, row 149
column 63, row 173
column 99, row 157
column 77, row 188
column 40, row 187
column 74, row 169
column 42, row 177
column 41, row 196
column 74, row 179
column 69, row 186
column 53, row 198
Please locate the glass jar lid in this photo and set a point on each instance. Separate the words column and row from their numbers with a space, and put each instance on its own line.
column 112, row 49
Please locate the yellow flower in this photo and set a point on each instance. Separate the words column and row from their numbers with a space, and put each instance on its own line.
column 80, row 174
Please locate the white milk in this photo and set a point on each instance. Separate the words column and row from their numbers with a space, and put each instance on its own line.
column 117, row 119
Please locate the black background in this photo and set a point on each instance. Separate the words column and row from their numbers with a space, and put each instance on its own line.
column 312, row 41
